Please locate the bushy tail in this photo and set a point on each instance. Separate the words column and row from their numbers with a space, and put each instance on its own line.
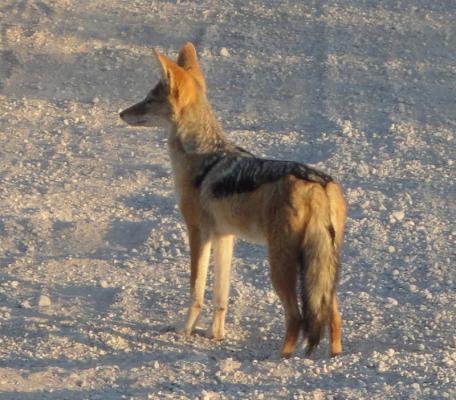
column 319, row 269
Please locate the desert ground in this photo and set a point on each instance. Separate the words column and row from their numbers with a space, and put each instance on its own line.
column 93, row 256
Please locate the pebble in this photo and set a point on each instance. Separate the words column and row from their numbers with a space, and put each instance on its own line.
column 427, row 294
column 208, row 395
column 391, row 302
column 25, row 304
column 382, row 367
column 44, row 301
column 103, row 284
column 229, row 365
column 391, row 249
column 416, row 386
column 398, row 215
column 224, row 52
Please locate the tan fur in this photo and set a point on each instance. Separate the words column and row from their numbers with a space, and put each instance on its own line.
column 290, row 216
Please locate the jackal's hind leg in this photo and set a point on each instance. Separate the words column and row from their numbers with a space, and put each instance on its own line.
column 284, row 278
column 335, row 328
column 223, row 252
column 200, row 249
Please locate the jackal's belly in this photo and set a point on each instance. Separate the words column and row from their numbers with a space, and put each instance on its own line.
column 249, row 232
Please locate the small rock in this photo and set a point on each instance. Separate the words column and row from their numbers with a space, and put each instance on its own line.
column 390, row 352
column 44, row 301
column 208, row 395
column 382, row 367
column 416, row 386
column 427, row 294
column 229, row 365
column 103, row 284
column 421, row 347
column 117, row 342
column 25, row 304
column 398, row 215
column 14, row 284
column 391, row 302
column 391, row 249
column 156, row 365
column 224, row 52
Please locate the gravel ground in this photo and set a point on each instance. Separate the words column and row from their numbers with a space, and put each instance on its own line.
column 93, row 256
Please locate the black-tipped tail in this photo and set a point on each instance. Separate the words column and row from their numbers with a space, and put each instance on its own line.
column 318, row 278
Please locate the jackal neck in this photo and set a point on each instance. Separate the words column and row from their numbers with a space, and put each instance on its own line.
column 198, row 130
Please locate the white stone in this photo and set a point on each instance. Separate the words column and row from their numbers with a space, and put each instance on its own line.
column 44, row 301
column 229, row 365
column 392, row 302
column 104, row 284
column 382, row 367
column 25, row 304
column 398, row 215
column 224, row 52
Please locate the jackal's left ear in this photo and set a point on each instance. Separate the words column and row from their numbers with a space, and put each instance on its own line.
column 171, row 72
column 188, row 60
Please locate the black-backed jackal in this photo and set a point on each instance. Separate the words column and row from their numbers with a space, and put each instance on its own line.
column 224, row 191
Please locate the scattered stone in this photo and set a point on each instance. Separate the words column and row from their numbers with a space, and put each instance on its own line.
column 103, row 284
column 416, row 387
column 382, row 367
column 25, row 304
column 391, row 249
column 224, row 52
column 391, row 302
column 427, row 294
column 308, row 362
column 209, row 395
column 229, row 365
column 44, row 301
column 398, row 215
column 117, row 342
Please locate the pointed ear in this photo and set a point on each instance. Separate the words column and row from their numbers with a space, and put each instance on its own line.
column 174, row 75
column 188, row 61
column 165, row 64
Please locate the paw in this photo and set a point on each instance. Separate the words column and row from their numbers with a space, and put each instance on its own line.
column 215, row 334
column 182, row 330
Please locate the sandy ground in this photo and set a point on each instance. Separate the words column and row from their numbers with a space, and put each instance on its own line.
column 92, row 248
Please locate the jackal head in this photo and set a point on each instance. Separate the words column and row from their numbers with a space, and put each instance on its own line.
column 181, row 86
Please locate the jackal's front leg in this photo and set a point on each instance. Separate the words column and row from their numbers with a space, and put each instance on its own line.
column 223, row 252
column 200, row 249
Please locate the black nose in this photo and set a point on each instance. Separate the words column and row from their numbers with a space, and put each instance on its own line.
column 121, row 114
